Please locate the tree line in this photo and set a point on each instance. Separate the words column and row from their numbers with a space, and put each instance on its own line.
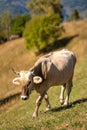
column 12, row 25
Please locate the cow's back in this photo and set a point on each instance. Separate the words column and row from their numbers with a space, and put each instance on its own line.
column 63, row 58
column 62, row 66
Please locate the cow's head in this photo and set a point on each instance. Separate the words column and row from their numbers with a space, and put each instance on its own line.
column 26, row 79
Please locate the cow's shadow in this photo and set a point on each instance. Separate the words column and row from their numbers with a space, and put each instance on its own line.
column 71, row 105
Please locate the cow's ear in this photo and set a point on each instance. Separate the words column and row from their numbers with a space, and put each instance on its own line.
column 44, row 69
column 37, row 79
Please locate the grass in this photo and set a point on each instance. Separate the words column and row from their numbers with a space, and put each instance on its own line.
column 13, row 54
column 17, row 114
column 74, row 117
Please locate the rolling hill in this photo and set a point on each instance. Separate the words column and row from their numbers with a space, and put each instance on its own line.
column 19, row 6
column 14, row 6
column 74, row 38
column 70, row 5
column 16, row 114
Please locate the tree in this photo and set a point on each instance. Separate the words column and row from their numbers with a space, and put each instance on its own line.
column 18, row 24
column 1, row 33
column 6, row 24
column 42, row 31
column 75, row 15
column 45, row 7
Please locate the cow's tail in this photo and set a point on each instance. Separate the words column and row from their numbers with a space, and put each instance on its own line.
column 74, row 59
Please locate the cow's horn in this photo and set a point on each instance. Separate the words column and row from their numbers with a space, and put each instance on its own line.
column 37, row 79
column 16, row 72
column 16, row 81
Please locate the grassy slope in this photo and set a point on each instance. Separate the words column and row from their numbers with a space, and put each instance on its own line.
column 17, row 114
column 13, row 54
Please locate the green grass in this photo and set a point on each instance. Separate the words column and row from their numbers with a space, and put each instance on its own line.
column 74, row 117
column 17, row 114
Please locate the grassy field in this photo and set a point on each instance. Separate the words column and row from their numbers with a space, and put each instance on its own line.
column 17, row 114
column 13, row 54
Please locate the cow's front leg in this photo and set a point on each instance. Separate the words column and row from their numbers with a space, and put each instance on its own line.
column 38, row 103
column 48, row 106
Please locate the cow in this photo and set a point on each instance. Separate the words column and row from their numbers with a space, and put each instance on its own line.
column 55, row 68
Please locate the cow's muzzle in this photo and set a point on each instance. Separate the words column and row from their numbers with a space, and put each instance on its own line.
column 24, row 97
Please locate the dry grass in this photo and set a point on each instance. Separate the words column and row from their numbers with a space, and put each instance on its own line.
column 14, row 54
column 16, row 115
column 79, row 43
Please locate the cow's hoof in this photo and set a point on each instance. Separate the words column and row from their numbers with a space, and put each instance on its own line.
column 47, row 109
column 34, row 115
column 66, row 104
column 61, row 101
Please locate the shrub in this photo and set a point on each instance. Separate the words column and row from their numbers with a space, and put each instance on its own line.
column 43, row 30
column 18, row 24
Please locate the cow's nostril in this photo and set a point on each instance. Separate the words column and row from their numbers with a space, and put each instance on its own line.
column 24, row 97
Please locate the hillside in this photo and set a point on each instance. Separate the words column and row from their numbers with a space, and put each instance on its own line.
column 19, row 6
column 70, row 5
column 16, row 115
column 14, row 53
column 15, row 7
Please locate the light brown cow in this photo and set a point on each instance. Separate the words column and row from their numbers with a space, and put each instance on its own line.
column 56, row 68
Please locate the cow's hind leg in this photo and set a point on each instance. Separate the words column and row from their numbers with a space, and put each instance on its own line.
column 48, row 106
column 63, row 87
column 68, row 90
